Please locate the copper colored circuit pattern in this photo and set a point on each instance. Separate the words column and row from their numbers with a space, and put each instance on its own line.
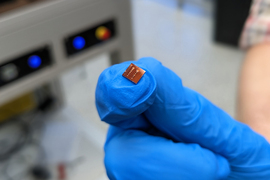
column 134, row 73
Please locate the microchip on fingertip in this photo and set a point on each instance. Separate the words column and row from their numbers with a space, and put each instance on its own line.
column 134, row 73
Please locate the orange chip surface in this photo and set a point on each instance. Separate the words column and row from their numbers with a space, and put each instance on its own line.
column 134, row 73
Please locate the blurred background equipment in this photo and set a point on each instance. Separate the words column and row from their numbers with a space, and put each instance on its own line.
column 17, row 106
column 230, row 16
column 41, row 136
column 51, row 55
column 8, row 5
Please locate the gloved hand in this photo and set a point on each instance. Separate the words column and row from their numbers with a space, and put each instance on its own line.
column 162, row 130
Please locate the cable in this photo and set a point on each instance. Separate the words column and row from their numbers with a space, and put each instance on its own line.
column 27, row 140
column 24, row 137
column 20, row 142
column 26, row 126
column 8, row 176
column 36, row 170
column 27, row 123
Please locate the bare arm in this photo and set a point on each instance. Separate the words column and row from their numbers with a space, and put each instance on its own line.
column 254, row 90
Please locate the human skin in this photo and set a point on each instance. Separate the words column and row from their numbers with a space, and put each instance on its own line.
column 253, row 103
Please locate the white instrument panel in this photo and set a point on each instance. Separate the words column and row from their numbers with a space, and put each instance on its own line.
column 48, row 23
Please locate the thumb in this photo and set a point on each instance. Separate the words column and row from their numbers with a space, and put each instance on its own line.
column 134, row 154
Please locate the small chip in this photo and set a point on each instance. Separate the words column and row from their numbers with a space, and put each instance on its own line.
column 134, row 73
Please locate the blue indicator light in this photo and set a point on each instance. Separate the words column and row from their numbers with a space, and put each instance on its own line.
column 78, row 42
column 34, row 61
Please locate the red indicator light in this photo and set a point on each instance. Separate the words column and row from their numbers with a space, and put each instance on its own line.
column 103, row 33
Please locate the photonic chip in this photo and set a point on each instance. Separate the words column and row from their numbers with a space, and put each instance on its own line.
column 134, row 73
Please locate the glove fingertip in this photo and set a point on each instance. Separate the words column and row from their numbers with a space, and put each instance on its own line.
column 117, row 98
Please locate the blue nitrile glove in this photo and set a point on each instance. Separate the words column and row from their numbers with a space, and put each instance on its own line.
column 135, row 154
column 203, row 135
